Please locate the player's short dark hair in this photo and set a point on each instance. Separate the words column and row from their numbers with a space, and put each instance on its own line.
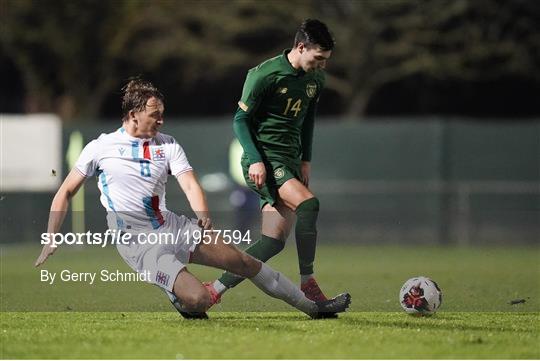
column 314, row 32
column 136, row 93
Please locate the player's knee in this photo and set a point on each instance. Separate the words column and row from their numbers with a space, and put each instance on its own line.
column 277, row 230
column 198, row 301
column 282, row 233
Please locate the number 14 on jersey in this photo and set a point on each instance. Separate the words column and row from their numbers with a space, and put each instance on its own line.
column 296, row 107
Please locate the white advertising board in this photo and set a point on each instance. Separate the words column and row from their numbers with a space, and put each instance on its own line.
column 30, row 152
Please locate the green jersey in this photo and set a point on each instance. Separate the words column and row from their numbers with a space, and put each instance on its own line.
column 280, row 101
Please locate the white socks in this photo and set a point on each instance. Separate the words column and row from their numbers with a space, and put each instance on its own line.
column 219, row 287
column 278, row 286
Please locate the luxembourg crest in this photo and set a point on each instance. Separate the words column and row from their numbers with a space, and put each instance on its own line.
column 311, row 89
column 158, row 153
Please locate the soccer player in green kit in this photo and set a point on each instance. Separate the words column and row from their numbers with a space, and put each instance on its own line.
column 274, row 123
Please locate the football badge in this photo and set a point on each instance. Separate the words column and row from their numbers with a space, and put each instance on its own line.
column 279, row 173
column 158, row 153
column 311, row 89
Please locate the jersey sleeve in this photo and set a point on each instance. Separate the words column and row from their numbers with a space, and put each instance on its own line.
column 255, row 87
column 178, row 162
column 87, row 163
column 242, row 131
column 309, row 122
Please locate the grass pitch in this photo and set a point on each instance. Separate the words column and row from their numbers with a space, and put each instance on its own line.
column 230, row 335
column 134, row 320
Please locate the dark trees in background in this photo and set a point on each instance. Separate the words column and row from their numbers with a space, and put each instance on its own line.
column 412, row 49
column 393, row 57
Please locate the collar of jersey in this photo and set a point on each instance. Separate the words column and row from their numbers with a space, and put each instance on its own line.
column 124, row 133
column 288, row 66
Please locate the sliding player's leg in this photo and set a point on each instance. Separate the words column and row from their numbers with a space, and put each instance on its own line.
column 276, row 226
column 299, row 198
column 225, row 256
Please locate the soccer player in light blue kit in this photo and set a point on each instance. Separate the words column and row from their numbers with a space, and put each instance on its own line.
column 132, row 165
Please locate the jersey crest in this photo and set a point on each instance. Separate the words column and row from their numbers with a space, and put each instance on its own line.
column 311, row 89
column 158, row 153
column 279, row 173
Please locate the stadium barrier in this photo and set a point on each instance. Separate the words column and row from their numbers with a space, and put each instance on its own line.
column 432, row 181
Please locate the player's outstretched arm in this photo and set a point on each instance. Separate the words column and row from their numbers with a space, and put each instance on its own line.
column 58, row 210
column 195, row 195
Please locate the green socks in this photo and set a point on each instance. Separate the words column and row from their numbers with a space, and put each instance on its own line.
column 306, row 234
column 267, row 247
column 263, row 250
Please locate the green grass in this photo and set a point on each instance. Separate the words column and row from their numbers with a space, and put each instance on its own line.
column 269, row 335
column 134, row 320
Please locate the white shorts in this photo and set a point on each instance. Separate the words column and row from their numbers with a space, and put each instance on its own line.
column 162, row 262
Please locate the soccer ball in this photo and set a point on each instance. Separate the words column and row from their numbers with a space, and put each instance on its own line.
column 420, row 296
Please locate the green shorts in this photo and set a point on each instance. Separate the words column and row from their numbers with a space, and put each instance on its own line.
column 277, row 173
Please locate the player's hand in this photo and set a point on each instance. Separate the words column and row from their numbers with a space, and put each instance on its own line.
column 204, row 223
column 257, row 173
column 305, row 169
column 46, row 251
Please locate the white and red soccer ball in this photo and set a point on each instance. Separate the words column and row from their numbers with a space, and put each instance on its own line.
column 420, row 296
